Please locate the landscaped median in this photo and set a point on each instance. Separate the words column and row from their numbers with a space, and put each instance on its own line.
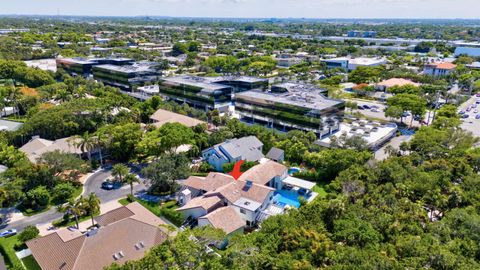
column 166, row 209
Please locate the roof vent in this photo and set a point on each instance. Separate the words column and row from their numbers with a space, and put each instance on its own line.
column 115, row 256
column 121, row 254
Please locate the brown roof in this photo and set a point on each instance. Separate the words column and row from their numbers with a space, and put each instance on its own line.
column 397, row 82
column 122, row 232
column 263, row 172
column 225, row 218
column 161, row 117
column 239, row 189
column 207, row 204
column 211, row 182
column 446, row 65
column 114, row 216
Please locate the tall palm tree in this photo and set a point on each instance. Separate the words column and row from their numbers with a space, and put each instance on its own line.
column 91, row 204
column 74, row 208
column 119, row 171
column 86, row 143
column 131, row 179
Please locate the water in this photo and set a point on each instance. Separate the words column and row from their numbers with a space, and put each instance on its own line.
column 286, row 197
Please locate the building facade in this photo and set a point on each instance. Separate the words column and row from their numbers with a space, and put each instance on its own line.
column 298, row 107
column 127, row 77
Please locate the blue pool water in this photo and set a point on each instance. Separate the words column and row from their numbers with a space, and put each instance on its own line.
column 287, row 197
column 293, row 170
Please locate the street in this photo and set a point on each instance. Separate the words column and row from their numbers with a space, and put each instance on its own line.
column 93, row 184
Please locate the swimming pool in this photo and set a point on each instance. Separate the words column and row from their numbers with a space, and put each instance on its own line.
column 293, row 170
column 287, row 197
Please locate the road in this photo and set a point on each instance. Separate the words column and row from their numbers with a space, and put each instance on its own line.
column 93, row 184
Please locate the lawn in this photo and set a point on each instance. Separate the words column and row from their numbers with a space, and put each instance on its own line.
column 30, row 263
column 63, row 223
column 319, row 188
column 8, row 253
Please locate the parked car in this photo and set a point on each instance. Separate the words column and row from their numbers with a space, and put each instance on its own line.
column 477, row 117
column 478, row 95
column 366, row 107
column 461, row 112
column 109, row 185
column 375, row 110
column 405, row 114
column 8, row 233
column 360, row 107
column 465, row 116
column 468, row 109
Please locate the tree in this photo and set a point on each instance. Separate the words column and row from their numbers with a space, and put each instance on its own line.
column 166, row 139
column 366, row 74
column 91, row 205
column 86, row 142
column 62, row 193
column 66, row 166
column 131, row 179
column 74, row 208
column 409, row 102
column 165, row 171
column 38, row 197
column 121, row 140
column 119, row 171
column 179, row 48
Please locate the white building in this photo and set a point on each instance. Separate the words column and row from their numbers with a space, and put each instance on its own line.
column 352, row 63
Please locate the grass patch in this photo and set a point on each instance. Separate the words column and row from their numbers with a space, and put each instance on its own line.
column 30, row 263
column 8, row 252
column 320, row 189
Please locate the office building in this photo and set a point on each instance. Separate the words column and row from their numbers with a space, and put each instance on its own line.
column 127, row 77
column 360, row 34
column 83, row 66
column 297, row 106
column 352, row 63
column 197, row 92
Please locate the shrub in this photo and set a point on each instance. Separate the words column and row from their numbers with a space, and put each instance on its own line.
column 29, row 233
column 172, row 215
column 130, row 198
column 38, row 197
column 62, row 192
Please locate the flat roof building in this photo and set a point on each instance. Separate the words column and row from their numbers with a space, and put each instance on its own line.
column 83, row 66
column 288, row 106
column 126, row 77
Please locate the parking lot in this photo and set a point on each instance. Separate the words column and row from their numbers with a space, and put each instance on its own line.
column 470, row 122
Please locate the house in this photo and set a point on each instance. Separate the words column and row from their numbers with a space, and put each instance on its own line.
column 123, row 234
column 160, row 117
column 439, row 69
column 386, row 84
column 269, row 174
column 352, row 63
column 276, row 154
column 225, row 218
column 246, row 148
column 38, row 146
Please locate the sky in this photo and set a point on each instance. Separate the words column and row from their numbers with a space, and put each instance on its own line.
column 444, row 9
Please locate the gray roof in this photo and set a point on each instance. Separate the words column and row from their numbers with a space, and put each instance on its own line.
column 9, row 125
column 307, row 99
column 275, row 153
column 204, row 83
column 245, row 148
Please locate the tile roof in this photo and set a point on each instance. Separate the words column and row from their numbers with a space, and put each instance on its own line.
column 213, row 181
column 161, row 117
column 225, row 218
column 446, row 65
column 264, row 172
column 37, row 146
column 397, row 82
column 207, row 203
column 122, row 230
column 240, row 189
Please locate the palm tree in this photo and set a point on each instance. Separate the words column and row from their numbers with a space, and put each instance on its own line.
column 131, row 179
column 86, row 143
column 119, row 171
column 91, row 204
column 74, row 208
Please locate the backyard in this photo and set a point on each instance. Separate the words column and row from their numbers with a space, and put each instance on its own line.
column 8, row 252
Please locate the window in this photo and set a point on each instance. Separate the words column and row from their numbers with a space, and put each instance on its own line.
column 243, row 211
